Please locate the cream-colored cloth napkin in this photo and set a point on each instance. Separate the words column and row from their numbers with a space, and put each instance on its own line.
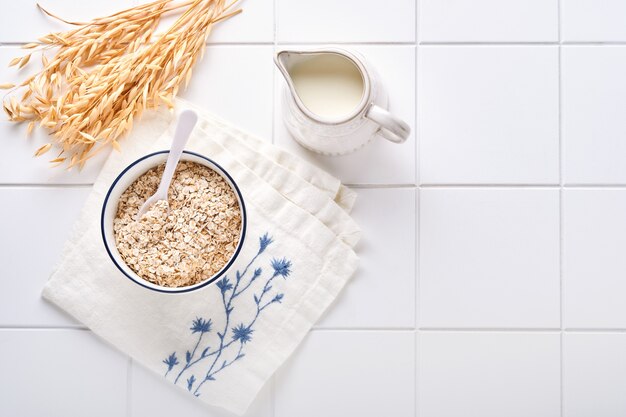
column 220, row 343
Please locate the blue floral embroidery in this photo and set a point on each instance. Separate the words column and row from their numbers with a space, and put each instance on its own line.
column 241, row 334
column 171, row 361
column 201, row 325
column 281, row 267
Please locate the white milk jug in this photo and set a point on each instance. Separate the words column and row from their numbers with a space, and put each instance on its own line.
column 333, row 102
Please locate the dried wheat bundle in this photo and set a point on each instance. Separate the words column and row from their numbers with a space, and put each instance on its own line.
column 106, row 72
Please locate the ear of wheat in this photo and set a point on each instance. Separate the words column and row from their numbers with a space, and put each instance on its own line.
column 106, row 72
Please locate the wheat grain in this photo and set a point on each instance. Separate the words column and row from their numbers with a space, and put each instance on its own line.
column 106, row 72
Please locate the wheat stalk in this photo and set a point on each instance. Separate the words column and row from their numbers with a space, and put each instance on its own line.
column 106, row 72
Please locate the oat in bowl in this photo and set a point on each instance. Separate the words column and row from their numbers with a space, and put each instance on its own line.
column 182, row 245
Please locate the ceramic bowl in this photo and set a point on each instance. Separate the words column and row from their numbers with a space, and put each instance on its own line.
column 124, row 180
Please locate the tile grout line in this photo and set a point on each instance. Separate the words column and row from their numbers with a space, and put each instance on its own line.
column 587, row 330
column 378, row 186
column 272, row 380
column 416, row 38
column 364, row 43
column 391, row 43
column 416, row 173
column 561, row 208
column 44, row 328
column 416, row 313
column 526, row 43
column 12, row 185
column 489, row 43
column 45, row 185
column 363, row 329
column 416, row 376
column 129, row 389
column 274, row 101
column 516, row 186
column 417, row 179
column 490, row 329
column 606, row 330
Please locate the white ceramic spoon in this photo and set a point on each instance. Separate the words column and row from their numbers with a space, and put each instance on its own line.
column 186, row 121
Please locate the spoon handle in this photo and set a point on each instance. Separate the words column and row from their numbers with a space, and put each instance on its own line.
column 186, row 122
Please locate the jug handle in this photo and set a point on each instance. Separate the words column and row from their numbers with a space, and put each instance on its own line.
column 391, row 128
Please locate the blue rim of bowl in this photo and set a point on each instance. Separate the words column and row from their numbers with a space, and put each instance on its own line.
column 174, row 290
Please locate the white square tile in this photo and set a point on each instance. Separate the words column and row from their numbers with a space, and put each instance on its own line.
column 594, row 102
column 489, row 258
column 345, row 21
column 488, row 21
column 489, row 375
column 380, row 161
column 61, row 373
column 37, row 222
column 22, row 21
column 387, row 264
column 591, row 20
column 594, row 375
column 236, row 83
column 151, row 395
column 349, row 373
column 488, row 114
column 594, row 264
column 255, row 24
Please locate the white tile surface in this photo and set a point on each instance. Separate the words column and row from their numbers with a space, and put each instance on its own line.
column 36, row 223
column 594, row 102
column 387, row 250
column 379, row 162
column 224, row 84
column 345, row 21
column 489, row 258
column 593, row 21
column 488, row 21
column 489, row 374
column 488, row 114
column 60, row 373
column 594, row 262
column 255, row 24
column 594, row 375
column 339, row 373
column 22, row 21
column 155, row 397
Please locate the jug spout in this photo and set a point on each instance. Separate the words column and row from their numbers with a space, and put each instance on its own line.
column 284, row 61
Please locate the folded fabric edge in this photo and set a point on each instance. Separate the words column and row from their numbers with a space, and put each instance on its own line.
column 311, row 173
column 346, row 198
column 295, row 189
